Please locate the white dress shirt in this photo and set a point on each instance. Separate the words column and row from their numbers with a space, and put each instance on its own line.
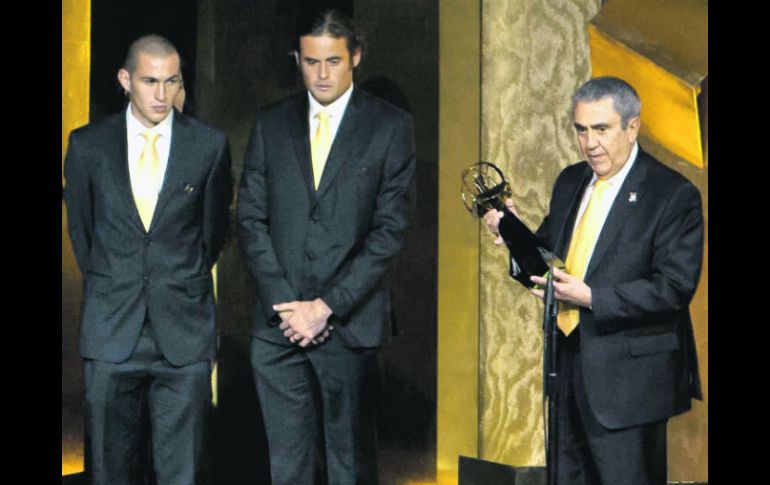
column 136, row 142
column 615, row 182
column 335, row 111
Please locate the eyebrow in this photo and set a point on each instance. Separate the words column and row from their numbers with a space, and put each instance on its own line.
column 153, row 78
column 332, row 58
column 595, row 127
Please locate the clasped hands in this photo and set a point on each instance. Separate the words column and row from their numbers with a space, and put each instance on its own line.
column 567, row 288
column 305, row 322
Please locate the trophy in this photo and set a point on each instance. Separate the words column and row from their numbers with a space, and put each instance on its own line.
column 484, row 187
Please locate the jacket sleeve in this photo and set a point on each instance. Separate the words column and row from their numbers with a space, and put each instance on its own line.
column 676, row 256
column 389, row 224
column 254, row 229
column 219, row 194
column 79, row 201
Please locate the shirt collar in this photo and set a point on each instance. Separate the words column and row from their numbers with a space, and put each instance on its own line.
column 335, row 109
column 135, row 128
column 620, row 177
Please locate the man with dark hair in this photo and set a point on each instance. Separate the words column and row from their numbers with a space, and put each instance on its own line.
column 148, row 192
column 323, row 208
column 333, row 23
column 631, row 233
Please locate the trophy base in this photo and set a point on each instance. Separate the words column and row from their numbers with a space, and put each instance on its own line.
column 529, row 256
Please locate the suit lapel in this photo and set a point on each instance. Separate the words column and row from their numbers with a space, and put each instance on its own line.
column 622, row 209
column 182, row 141
column 353, row 127
column 117, row 160
column 565, row 232
column 299, row 134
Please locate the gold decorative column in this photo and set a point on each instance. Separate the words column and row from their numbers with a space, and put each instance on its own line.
column 535, row 55
column 458, row 237
column 75, row 66
column 75, row 89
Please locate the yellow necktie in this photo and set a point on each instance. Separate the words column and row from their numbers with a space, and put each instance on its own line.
column 147, row 179
column 320, row 145
column 580, row 248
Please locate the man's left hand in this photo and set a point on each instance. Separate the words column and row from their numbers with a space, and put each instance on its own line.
column 566, row 288
column 303, row 321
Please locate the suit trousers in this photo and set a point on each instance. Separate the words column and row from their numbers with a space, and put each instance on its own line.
column 179, row 402
column 319, row 406
column 589, row 453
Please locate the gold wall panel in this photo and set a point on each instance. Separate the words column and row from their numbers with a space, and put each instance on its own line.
column 76, row 60
column 535, row 55
column 664, row 55
column 75, row 66
column 669, row 105
column 458, row 238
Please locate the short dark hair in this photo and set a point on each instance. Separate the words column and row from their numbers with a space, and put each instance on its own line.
column 330, row 22
column 149, row 44
column 624, row 98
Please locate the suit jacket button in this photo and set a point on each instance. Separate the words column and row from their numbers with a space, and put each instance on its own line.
column 310, row 256
column 148, row 240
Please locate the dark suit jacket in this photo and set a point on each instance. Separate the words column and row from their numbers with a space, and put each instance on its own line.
column 637, row 348
column 165, row 271
column 336, row 243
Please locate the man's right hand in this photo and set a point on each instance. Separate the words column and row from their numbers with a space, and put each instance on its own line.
column 295, row 338
column 305, row 322
column 492, row 220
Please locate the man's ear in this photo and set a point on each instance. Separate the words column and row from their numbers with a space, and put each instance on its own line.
column 296, row 57
column 356, row 57
column 633, row 129
column 124, row 78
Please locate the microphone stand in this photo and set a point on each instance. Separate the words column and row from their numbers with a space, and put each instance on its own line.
column 512, row 229
column 551, row 377
column 481, row 191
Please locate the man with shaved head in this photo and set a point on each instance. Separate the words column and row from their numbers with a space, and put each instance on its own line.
column 148, row 192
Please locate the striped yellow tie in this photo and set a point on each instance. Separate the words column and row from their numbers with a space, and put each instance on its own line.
column 579, row 252
column 147, row 179
column 320, row 145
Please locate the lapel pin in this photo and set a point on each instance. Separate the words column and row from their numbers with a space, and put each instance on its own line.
column 188, row 188
column 632, row 196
